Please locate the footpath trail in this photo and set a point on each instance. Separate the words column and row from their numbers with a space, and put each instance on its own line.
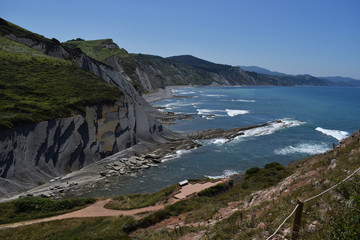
column 97, row 209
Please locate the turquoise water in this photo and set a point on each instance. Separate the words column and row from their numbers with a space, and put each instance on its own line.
column 317, row 117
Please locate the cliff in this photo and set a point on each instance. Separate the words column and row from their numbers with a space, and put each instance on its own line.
column 56, row 123
column 34, row 153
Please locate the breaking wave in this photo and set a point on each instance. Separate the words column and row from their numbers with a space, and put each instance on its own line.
column 177, row 154
column 233, row 113
column 226, row 173
column 256, row 132
column 339, row 135
column 270, row 129
column 304, row 148
column 205, row 112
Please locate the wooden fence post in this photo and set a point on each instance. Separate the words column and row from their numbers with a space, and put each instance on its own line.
column 297, row 221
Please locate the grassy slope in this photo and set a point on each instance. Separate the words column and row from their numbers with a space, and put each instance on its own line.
column 336, row 213
column 134, row 201
column 94, row 49
column 35, row 207
column 35, row 87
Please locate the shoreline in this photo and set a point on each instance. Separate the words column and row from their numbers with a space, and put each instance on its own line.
column 160, row 94
column 163, row 93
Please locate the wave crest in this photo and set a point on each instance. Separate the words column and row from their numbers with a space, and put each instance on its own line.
column 339, row 135
column 270, row 129
column 304, row 148
column 233, row 113
column 226, row 173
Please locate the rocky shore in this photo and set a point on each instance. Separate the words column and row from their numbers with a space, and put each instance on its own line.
column 133, row 160
column 137, row 158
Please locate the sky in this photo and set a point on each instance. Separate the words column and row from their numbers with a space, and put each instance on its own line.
column 317, row 37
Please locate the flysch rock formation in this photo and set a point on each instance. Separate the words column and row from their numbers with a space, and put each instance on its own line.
column 33, row 154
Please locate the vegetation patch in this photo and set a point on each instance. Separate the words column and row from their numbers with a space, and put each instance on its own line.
column 102, row 228
column 35, row 87
column 141, row 200
column 102, row 49
column 28, row 208
column 346, row 220
column 205, row 206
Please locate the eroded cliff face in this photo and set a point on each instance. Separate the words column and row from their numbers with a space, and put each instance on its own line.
column 35, row 153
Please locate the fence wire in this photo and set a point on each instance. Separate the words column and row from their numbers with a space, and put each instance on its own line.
column 309, row 199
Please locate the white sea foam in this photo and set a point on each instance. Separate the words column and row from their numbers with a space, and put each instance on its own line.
column 213, row 95
column 233, row 113
column 181, row 92
column 256, row 132
column 304, row 148
column 178, row 104
column 216, row 141
column 339, row 135
column 177, row 154
column 242, row 100
column 226, row 173
column 210, row 112
column 270, row 129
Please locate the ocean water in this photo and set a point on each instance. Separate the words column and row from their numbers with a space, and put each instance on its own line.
column 315, row 118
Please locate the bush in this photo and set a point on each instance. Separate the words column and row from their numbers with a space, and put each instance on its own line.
column 36, row 207
column 252, row 170
column 45, row 205
column 215, row 190
column 345, row 224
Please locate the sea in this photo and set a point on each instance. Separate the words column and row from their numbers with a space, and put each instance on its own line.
column 313, row 119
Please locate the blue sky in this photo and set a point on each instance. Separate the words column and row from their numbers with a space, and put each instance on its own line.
column 318, row 37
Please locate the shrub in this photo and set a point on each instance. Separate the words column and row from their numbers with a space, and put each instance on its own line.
column 45, row 205
column 345, row 224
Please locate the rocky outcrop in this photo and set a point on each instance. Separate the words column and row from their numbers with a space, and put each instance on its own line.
column 52, row 47
column 35, row 153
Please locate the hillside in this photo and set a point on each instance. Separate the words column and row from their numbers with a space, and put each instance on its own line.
column 237, row 76
column 304, row 79
column 61, row 110
column 249, row 206
column 148, row 73
column 200, row 63
column 36, row 87
column 261, row 70
column 103, row 49
column 342, row 81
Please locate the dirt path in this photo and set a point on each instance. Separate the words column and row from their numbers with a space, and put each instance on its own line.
column 98, row 210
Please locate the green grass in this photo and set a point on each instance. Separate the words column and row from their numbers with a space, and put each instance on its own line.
column 36, row 207
column 94, row 49
column 141, row 200
column 71, row 229
column 35, row 87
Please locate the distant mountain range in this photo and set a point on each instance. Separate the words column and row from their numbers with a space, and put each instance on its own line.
column 262, row 70
column 331, row 81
